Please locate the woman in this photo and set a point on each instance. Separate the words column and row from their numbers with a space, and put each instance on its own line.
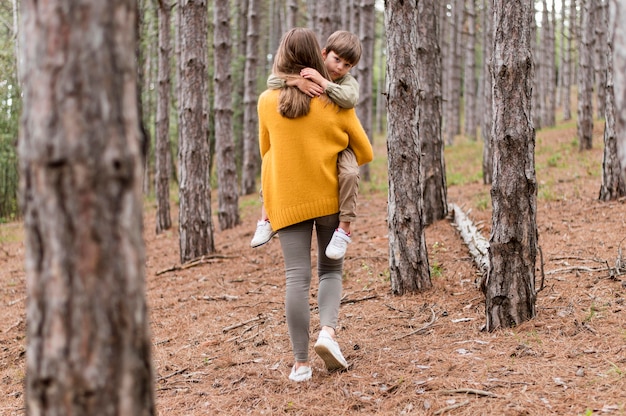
column 299, row 139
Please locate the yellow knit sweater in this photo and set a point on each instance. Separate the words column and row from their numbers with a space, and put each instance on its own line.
column 299, row 169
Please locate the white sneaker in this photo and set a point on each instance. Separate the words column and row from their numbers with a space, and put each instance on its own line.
column 338, row 245
column 263, row 233
column 328, row 350
column 303, row 373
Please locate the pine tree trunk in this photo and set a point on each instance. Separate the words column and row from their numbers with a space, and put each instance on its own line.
column 251, row 157
column 618, row 14
column 429, row 76
column 163, row 153
column 408, row 259
column 365, row 76
column 81, row 143
column 600, row 22
column 586, row 77
column 195, row 222
column 469, row 79
column 487, row 121
column 292, row 14
column 613, row 182
column 228, row 192
column 566, row 103
column 510, row 287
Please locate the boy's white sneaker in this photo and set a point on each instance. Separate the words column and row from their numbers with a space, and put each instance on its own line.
column 338, row 245
column 328, row 350
column 263, row 233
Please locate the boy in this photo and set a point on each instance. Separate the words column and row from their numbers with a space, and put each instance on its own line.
column 341, row 53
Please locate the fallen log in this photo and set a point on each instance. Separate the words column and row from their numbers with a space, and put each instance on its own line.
column 477, row 244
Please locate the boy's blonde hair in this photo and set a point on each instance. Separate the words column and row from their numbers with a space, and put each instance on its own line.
column 346, row 45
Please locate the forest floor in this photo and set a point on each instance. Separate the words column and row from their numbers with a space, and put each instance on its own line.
column 220, row 343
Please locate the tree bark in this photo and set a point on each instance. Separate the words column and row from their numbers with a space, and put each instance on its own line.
column 618, row 14
column 367, row 30
column 428, row 70
column 487, row 120
column 585, row 77
column 81, row 164
column 469, row 79
column 613, row 185
column 195, row 223
column 408, row 259
column 163, row 154
column 228, row 192
column 510, row 287
column 251, row 157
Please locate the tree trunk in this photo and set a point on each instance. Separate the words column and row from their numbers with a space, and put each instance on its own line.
column 163, row 153
column 618, row 14
column 81, row 143
column 487, row 121
column 453, row 118
column 600, row 22
column 251, row 157
column 568, row 41
column 408, row 259
column 585, row 77
column 510, row 287
column 228, row 193
column 469, row 89
column 613, row 183
column 292, row 14
column 325, row 24
column 195, row 222
column 367, row 30
column 537, row 103
column 429, row 135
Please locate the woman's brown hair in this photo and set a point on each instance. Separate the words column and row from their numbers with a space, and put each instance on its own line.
column 298, row 49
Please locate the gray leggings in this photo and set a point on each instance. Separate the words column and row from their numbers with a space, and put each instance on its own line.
column 295, row 242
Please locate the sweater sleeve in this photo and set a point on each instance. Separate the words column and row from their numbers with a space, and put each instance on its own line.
column 358, row 140
column 264, row 137
column 345, row 93
column 274, row 82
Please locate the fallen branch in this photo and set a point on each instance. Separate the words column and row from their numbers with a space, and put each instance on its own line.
column 239, row 325
column 451, row 407
column 428, row 325
column 222, row 297
column 470, row 391
column 195, row 262
column 175, row 373
column 358, row 300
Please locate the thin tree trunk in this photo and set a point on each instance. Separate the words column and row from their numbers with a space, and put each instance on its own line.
column 585, row 77
column 568, row 41
column 195, row 223
column 469, row 89
column 408, row 258
column 618, row 14
column 487, row 94
column 613, row 184
column 251, row 157
column 428, row 70
column 510, row 287
column 228, row 193
column 367, row 30
column 292, row 14
column 81, row 163
column 163, row 153
column 600, row 22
